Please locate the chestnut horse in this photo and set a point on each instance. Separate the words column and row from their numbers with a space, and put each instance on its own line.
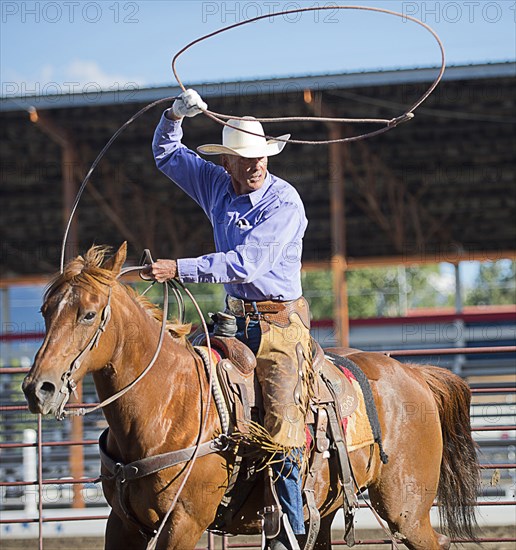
column 423, row 412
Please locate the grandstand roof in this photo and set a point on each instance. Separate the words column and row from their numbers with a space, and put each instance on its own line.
column 439, row 188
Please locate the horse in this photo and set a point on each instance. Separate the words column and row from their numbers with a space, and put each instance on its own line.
column 423, row 413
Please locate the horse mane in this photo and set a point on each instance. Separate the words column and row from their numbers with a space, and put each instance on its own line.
column 88, row 272
column 178, row 330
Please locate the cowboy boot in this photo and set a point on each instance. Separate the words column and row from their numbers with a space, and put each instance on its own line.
column 285, row 540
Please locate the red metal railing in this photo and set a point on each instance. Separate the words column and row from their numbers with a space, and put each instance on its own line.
column 226, row 542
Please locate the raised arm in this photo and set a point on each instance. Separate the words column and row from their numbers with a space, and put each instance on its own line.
column 197, row 177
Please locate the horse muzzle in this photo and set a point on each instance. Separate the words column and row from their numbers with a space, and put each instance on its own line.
column 41, row 395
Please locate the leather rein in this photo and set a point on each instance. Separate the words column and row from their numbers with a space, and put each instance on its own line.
column 148, row 465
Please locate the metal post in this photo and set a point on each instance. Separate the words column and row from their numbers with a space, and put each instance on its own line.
column 77, row 454
column 338, row 235
column 69, row 193
column 40, row 483
column 402, row 290
column 338, row 222
column 68, row 159
column 6, row 323
column 458, row 289
column 459, row 360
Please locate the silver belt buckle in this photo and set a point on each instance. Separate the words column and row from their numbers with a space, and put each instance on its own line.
column 236, row 306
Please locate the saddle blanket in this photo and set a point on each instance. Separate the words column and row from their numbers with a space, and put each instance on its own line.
column 357, row 426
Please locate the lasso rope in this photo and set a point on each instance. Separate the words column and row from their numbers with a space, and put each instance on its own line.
column 94, row 165
column 389, row 123
column 220, row 118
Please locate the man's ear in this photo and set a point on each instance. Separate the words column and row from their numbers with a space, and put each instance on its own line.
column 225, row 163
column 116, row 261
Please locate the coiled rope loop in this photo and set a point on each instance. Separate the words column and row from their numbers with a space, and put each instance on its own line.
column 221, row 118
column 389, row 124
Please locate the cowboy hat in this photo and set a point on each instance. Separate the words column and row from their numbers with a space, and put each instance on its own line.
column 237, row 142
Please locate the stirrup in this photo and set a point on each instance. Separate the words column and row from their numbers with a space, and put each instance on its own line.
column 292, row 540
column 271, row 513
column 275, row 523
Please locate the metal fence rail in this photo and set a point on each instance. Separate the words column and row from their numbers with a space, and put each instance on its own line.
column 227, row 543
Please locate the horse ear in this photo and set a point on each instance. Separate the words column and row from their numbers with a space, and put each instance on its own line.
column 116, row 261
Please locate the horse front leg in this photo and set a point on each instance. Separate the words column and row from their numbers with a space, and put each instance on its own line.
column 122, row 534
column 323, row 541
column 196, row 508
column 181, row 532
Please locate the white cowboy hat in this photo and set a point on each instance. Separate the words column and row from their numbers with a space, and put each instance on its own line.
column 235, row 142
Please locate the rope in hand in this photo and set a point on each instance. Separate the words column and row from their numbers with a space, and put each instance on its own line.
column 389, row 123
column 219, row 117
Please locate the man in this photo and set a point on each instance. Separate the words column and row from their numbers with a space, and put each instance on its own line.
column 258, row 221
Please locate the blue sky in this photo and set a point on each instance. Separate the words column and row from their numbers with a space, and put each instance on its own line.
column 49, row 46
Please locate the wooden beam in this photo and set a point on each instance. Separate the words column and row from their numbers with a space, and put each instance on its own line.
column 417, row 259
column 61, row 137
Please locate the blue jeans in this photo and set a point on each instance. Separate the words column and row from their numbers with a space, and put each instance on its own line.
column 286, row 472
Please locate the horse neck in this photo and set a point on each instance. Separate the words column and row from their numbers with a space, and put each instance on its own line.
column 168, row 395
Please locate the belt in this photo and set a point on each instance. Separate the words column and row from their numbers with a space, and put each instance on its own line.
column 240, row 307
column 270, row 311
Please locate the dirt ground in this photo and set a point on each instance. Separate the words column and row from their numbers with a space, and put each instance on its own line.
column 90, row 543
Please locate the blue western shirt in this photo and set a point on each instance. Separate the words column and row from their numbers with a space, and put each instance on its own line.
column 258, row 236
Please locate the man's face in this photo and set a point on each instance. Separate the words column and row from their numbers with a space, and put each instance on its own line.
column 247, row 174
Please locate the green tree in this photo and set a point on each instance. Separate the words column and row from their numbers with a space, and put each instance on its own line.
column 378, row 292
column 494, row 284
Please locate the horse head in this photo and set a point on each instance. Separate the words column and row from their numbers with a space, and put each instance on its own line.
column 76, row 309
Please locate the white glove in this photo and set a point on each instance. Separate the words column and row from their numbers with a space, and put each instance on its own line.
column 189, row 104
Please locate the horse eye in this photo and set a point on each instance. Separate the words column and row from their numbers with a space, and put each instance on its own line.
column 89, row 316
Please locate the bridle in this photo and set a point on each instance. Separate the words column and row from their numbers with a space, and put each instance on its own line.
column 68, row 383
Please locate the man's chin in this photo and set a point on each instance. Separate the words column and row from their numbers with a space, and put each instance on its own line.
column 254, row 183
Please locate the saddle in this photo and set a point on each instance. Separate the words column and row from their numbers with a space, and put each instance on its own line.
column 240, row 404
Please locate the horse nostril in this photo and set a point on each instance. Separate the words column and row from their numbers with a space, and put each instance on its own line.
column 46, row 390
